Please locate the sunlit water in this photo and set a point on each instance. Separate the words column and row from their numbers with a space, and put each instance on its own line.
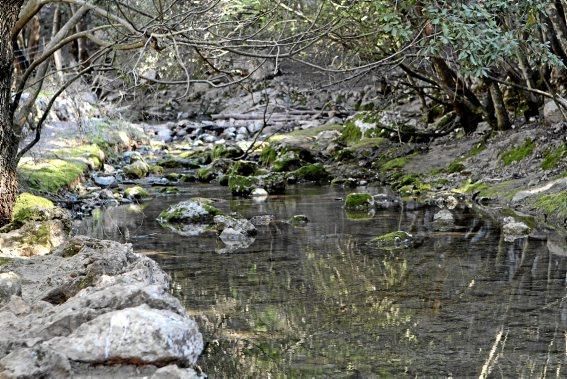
column 317, row 301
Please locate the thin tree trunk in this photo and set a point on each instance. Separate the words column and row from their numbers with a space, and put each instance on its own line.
column 57, row 56
column 559, row 25
column 502, row 118
column 9, row 11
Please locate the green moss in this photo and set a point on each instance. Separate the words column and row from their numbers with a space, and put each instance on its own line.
column 351, row 133
column 313, row 172
column 476, row 149
column 242, row 185
column 92, row 155
column 51, row 175
column 170, row 190
column 309, row 132
column 393, row 240
column 554, row 204
column 136, row 192
column 359, row 201
column 156, row 170
column 518, row 153
column 287, row 162
column 394, row 164
column 472, row 187
column 205, row 174
column 29, row 207
column 222, row 151
column 552, row 157
column 455, row 166
column 268, row 155
column 505, row 189
column 136, row 170
column 274, row 183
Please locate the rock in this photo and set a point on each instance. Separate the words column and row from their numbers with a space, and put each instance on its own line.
column 287, row 162
column 393, row 241
column 443, row 219
column 299, row 220
column 135, row 193
column 206, row 174
column 384, row 201
column 10, row 284
column 240, row 225
column 274, row 183
column 227, row 151
column 312, row 173
column 93, row 302
column 195, row 210
column 177, row 162
column 234, row 240
column 132, row 156
column 262, row 220
column 174, row 372
column 139, row 335
column 244, row 168
column 242, row 185
column 104, row 181
column 259, row 192
column 513, row 229
column 38, row 228
column 359, row 201
column 136, row 170
column 551, row 112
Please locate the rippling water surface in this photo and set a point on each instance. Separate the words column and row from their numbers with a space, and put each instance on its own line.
column 317, row 301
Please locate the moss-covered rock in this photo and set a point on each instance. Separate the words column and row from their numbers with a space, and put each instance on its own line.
column 288, row 161
column 170, row 190
column 51, row 175
column 274, row 183
column 396, row 163
column 135, row 193
column 312, row 173
column 359, row 201
column 173, row 176
column 31, row 208
column 91, row 155
column 156, row 170
column 268, row 155
column 206, row 174
column 244, row 168
column 553, row 156
column 196, row 210
column 242, row 185
column 227, row 151
column 554, row 206
column 136, row 170
column 394, row 240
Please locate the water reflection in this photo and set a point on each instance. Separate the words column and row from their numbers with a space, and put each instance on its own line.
column 318, row 301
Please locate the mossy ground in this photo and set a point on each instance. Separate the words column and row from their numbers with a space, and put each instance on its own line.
column 313, row 172
column 62, row 169
column 552, row 157
column 517, row 154
column 554, row 205
column 28, row 207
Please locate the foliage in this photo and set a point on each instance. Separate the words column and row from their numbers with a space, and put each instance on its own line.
column 518, row 153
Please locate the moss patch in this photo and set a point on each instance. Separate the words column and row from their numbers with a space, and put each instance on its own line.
column 554, row 204
column 394, row 164
column 312, row 172
column 359, row 201
column 29, row 207
column 455, row 166
column 51, row 175
column 552, row 157
column 351, row 133
column 518, row 153
column 268, row 155
column 136, row 193
column 242, row 185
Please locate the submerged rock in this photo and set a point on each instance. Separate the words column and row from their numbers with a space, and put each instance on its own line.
column 299, row 220
column 393, row 240
column 93, row 302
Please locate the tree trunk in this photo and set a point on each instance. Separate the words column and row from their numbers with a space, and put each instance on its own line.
column 502, row 118
column 9, row 141
column 559, row 25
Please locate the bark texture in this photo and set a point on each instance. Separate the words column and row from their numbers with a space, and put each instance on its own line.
column 9, row 10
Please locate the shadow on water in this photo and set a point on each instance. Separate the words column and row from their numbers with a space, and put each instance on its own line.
column 318, row 301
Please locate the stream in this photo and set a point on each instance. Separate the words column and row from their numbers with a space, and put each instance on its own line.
column 318, row 301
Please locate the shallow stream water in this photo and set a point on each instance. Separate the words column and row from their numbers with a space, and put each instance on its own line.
column 318, row 301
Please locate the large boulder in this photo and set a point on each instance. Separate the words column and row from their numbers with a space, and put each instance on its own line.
column 93, row 302
column 136, row 170
column 37, row 227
